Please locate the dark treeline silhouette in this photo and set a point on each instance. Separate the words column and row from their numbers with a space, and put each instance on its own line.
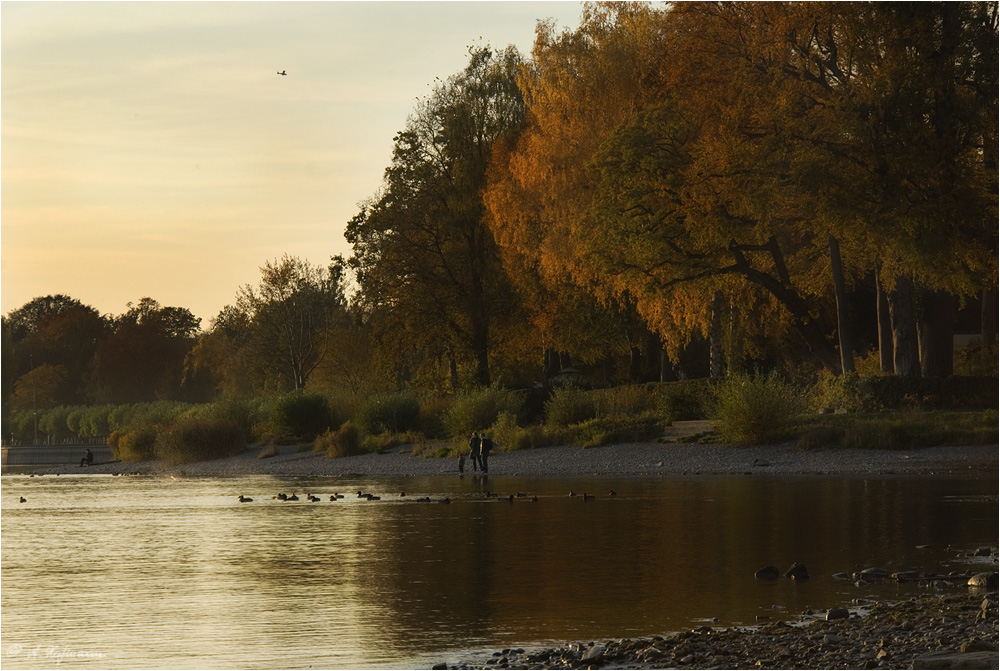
column 662, row 193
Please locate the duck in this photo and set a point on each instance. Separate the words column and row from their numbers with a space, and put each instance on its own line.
column 280, row 497
column 312, row 498
column 424, row 499
column 521, row 495
column 372, row 497
column 333, row 497
column 612, row 493
column 245, row 499
column 588, row 497
column 293, row 497
column 506, row 499
column 23, row 500
column 445, row 500
column 402, row 493
column 534, row 499
column 572, row 493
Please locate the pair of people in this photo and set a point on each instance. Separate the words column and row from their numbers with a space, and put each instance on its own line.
column 480, row 446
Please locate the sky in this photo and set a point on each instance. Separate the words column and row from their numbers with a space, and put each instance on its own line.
column 150, row 149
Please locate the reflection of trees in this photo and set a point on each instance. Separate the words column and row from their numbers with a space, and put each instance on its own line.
column 398, row 578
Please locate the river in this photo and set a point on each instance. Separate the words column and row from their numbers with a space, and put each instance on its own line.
column 111, row 572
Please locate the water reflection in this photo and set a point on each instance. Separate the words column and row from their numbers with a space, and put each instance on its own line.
column 181, row 575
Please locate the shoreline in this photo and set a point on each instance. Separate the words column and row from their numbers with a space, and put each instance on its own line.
column 625, row 459
column 933, row 631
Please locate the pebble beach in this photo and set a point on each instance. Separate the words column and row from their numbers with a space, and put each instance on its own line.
column 649, row 458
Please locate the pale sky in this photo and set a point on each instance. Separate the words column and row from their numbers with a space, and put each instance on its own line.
column 151, row 148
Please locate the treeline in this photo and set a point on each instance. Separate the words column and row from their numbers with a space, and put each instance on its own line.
column 665, row 192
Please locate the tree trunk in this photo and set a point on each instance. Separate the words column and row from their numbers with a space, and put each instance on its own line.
column 843, row 320
column 550, row 363
column 906, row 352
column 716, row 369
column 936, row 334
column 735, row 353
column 988, row 328
column 635, row 364
column 885, row 338
column 452, row 369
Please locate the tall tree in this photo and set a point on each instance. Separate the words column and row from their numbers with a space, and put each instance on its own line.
column 291, row 314
column 426, row 264
column 142, row 359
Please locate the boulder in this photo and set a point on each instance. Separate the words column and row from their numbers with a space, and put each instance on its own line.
column 985, row 580
column 767, row 573
column 797, row 571
column 838, row 614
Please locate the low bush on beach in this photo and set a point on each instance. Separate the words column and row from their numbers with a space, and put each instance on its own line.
column 755, row 409
column 477, row 409
column 300, row 417
column 570, row 405
column 343, row 442
column 396, row 413
column 193, row 439
column 897, row 430
column 133, row 444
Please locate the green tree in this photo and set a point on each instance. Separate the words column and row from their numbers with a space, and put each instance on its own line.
column 143, row 357
column 427, row 265
column 285, row 322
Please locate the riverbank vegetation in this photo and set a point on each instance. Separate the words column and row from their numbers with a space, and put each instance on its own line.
column 650, row 218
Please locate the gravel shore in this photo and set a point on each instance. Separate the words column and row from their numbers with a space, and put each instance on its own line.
column 957, row 631
column 618, row 460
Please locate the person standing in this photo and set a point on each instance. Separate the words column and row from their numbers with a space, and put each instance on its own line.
column 485, row 445
column 474, row 449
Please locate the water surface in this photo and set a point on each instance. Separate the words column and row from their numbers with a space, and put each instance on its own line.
column 144, row 572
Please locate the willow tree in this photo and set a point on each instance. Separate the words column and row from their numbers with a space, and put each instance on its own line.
column 427, row 265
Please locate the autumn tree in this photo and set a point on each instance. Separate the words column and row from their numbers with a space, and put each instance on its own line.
column 427, row 265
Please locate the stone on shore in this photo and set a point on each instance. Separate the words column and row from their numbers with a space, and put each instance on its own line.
column 988, row 581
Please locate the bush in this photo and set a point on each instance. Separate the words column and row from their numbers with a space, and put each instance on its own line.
column 194, row 439
column 477, row 409
column 685, row 400
column 755, row 409
column 135, row 443
column 395, row 413
column 340, row 443
column 300, row 417
column 570, row 405
column 625, row 401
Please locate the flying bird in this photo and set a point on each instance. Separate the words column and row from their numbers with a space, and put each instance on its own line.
column 283, row 73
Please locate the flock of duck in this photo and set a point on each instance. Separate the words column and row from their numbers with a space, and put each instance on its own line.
column 424, row 499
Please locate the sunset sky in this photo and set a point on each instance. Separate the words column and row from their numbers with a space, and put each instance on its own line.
column 151, row 148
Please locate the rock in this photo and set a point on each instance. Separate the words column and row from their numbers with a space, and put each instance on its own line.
column 983, row 552
column 906, row 576
column 439, row 667
column 767, row 573
column 838, row 614
column 985, row 580
column 872, row 574
column 593, row 655
column 956, row 660
column 797, row 571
